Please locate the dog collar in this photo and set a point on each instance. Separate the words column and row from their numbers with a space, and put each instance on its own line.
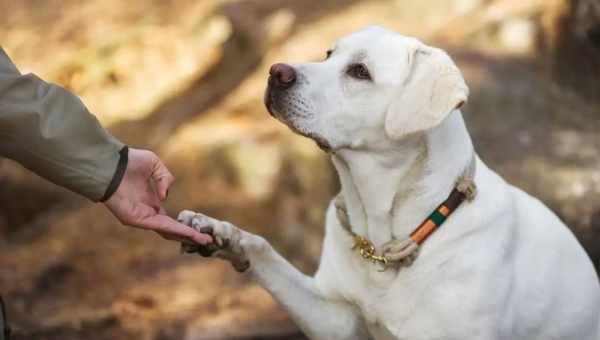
column 404, row 251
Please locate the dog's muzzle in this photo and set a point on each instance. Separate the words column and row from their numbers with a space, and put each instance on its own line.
column 282, row 78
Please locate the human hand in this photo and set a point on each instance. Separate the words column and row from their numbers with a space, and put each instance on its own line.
column 138, row 199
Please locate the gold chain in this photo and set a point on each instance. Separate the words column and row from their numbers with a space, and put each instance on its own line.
column 367, row 250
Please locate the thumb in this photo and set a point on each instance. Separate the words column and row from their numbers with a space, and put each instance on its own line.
column 163, row 179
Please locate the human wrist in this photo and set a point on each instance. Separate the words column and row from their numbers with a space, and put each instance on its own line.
column 118, row 175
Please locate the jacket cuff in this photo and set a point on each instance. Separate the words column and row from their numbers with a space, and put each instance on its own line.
column 118, row 176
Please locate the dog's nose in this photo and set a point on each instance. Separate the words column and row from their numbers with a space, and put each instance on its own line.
column 282, row 76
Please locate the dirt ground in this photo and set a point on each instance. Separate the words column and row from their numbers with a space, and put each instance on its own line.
column 185, row 78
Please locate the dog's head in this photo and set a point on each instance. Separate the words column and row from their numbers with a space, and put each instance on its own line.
column 375, row 87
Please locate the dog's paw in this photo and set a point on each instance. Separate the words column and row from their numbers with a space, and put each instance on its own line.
column 185, row 217
column 231, row 243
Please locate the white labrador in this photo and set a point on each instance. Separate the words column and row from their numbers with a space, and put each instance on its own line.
column 502, row 266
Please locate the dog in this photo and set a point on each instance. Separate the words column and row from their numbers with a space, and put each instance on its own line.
column 503, row 266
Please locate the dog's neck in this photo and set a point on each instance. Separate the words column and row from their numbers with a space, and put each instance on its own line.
column 388, row 193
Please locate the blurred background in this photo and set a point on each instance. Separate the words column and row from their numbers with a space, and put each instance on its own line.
column 185, row 78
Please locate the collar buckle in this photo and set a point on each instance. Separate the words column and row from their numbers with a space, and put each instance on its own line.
column 366, row 249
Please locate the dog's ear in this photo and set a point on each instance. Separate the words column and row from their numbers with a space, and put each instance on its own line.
column 433, row 88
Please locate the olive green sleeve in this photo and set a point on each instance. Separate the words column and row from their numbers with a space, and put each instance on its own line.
column 49, row 131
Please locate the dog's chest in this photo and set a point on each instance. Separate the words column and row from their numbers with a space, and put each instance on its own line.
column 390, row 302
column 401, row 310
column 414, row 302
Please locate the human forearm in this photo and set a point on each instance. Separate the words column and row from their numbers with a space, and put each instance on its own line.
column 49, row 131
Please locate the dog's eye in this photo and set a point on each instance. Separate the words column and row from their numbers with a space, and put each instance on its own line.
column 329, row 52
column 359, row 71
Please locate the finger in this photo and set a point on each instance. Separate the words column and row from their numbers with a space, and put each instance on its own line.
column 169, row 236
column 172, row 237
column 162, row 178
column 154, row 201
column 165, row 225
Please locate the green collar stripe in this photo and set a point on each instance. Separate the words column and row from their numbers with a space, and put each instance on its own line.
column 437, row 218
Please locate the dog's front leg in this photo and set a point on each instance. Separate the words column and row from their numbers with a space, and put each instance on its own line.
column 319, row 317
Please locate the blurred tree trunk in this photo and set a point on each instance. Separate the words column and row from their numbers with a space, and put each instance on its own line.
column 571, row 37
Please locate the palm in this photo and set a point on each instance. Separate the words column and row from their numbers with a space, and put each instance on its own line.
column 138, row 199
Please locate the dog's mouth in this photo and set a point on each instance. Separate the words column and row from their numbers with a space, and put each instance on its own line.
column 322, row 143
column 271, row 100
column 268, row 100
